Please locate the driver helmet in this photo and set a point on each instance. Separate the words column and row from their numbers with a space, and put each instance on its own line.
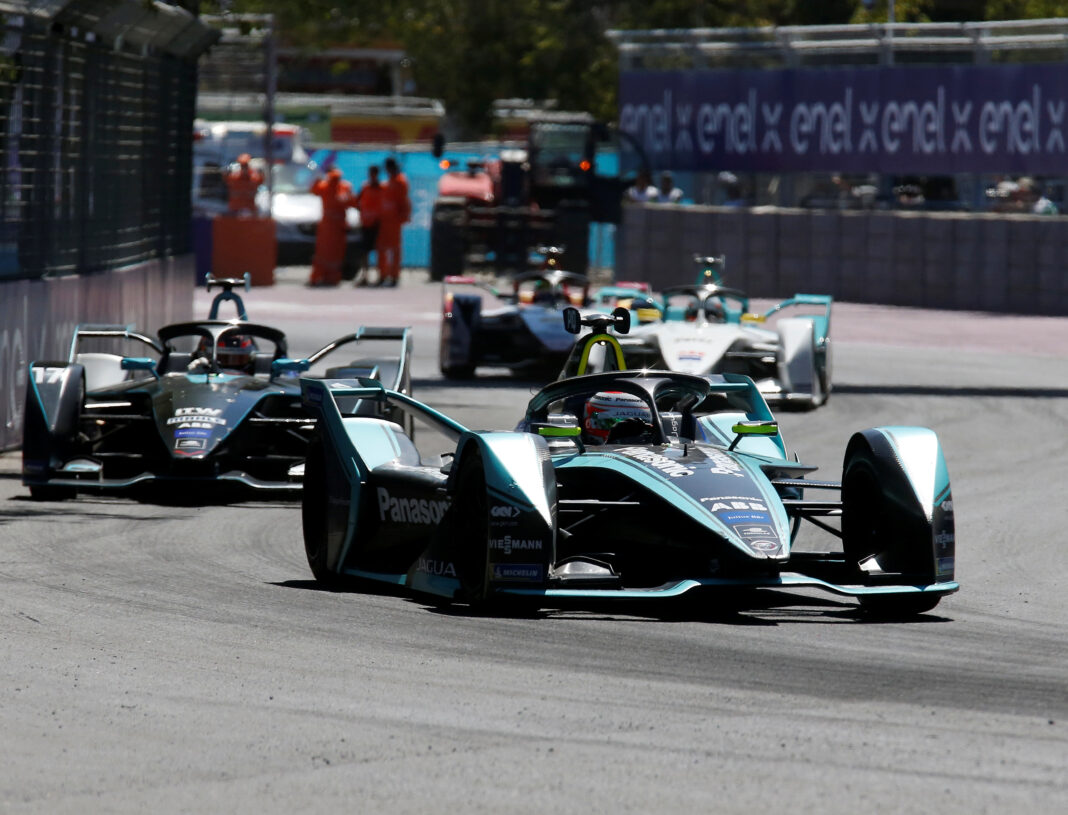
column 714, row 310
column 606, row 409
column 237, row 352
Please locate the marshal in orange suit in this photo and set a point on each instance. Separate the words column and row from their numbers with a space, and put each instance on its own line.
column 330, row 236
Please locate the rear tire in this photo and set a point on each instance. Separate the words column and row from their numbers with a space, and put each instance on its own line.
column 451, row 371
column 446, row 242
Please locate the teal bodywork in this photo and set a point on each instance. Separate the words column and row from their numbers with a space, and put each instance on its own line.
column 551, row 514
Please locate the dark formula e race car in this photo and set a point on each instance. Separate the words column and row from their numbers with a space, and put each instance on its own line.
column 631, row 484
column 211, row 402
column 522, row 330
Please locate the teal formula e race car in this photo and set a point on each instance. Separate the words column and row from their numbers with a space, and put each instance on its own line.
column 207, row 408
column 625, row 484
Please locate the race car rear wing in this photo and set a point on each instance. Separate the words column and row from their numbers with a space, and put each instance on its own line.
column 467, row 280
column 403, row 335
column 108, row 331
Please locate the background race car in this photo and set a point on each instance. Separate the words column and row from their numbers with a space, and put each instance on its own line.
column 521, row 329
column 706, row 327
column 215, row 400
column 655, row 500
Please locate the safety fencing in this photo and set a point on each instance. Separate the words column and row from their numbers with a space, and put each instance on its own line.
column 95, row 135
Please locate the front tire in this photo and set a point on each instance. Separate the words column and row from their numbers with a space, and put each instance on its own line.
column 472, row 559
column 871, row 528
column 313, row 509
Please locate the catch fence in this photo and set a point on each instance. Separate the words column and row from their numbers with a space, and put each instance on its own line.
column 96, row 110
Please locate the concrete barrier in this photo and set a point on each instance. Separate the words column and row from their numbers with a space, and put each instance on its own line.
column 37, row 319
column 990, row 262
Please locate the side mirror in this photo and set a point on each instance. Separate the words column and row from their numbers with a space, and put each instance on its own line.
column 621, row 318
column 139, row 364
column 557, row 431
column 285, row 365
column 573, row 320
column 756, row 429
column 752, row 317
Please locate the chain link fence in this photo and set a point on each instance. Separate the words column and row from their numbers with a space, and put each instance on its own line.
column 97, row 101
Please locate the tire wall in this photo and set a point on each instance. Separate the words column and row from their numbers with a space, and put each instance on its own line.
column 37, row 319
column 979, row 262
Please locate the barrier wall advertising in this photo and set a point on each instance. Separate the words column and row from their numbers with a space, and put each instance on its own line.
column 923, row 119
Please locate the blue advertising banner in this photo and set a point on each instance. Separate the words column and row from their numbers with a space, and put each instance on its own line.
column 929, row 119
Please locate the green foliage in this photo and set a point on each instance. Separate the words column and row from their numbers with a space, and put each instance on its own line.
column 1025, row 9
column 470, row 52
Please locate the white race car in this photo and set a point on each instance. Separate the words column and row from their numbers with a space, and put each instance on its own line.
column 706, row 328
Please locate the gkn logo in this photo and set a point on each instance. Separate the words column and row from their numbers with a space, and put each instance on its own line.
column 504, row 511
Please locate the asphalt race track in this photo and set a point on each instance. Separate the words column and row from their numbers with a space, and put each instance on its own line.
column 158, row 658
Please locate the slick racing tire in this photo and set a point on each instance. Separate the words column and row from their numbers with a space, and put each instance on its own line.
column 39, row 441
column 451, row 371
column 869, row 529
column 313, row 510
column 472, row 553
column 446, row 242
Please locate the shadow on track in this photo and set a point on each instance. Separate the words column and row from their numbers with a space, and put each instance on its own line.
column 65, row 512
column 940, row 390
column 760, row 608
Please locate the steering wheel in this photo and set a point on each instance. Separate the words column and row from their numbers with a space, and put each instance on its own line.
column 628, row 429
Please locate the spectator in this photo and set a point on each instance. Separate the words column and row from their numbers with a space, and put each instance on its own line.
column 241, row 185
column 369, row 203
column 1032, row 199
column 668, row 193
column 642, row 190
column 396, row 211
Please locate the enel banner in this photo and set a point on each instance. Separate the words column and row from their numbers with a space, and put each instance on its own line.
column 929, row 119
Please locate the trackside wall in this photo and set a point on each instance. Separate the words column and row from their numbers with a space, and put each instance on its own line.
column 37, row 319
column 982, row 262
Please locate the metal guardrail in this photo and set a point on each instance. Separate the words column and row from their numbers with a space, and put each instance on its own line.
column 795, row 46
